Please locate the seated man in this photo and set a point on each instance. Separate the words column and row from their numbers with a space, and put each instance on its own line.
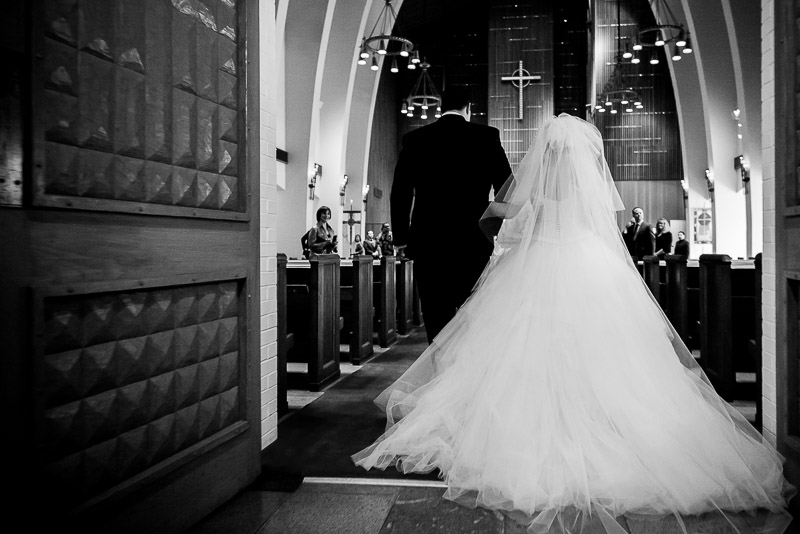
column 386, row 240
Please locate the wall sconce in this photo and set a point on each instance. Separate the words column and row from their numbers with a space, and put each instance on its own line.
column 343, row 189
column 685, row 186
column 710, row 181
column 742, row 166
column 314, row 175
column 365, row 194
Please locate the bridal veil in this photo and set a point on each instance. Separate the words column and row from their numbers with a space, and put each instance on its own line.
column 560, row 392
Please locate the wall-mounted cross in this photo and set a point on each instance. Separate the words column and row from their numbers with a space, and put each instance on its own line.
column 520, row 78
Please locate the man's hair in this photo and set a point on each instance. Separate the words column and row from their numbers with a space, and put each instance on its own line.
column 637, row 208
column 456, row 98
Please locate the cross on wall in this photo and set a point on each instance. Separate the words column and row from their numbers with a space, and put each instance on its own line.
column 521, row 78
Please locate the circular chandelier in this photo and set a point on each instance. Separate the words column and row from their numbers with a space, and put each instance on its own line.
column 616, row 97
column 423, row 96
column 381, row 42
column 661, row 35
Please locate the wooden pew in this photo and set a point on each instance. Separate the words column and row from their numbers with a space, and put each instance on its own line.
column 652, row 278
column 693, row 296
column 285, row 338
column 405, row 295
column 357, row 306
column 728, row 324
column 677, row 295
column 313, row 316
column 755, row 343
column 417, row 307
column 716, row 344
column 385, row 300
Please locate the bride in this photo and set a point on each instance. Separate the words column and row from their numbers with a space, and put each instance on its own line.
column 560, row 391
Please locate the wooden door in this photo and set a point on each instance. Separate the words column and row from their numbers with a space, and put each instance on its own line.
column 787, row 236
column 129, row 297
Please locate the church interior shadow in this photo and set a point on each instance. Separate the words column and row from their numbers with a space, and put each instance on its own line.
column 319, row 439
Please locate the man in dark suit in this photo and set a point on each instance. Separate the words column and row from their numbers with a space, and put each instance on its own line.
column 639, row 236
column 446, row 171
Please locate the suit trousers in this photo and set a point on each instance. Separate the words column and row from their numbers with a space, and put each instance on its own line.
column 444, row 287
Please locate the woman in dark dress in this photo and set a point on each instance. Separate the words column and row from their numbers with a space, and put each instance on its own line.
column 321, row 238
column 371, row 245
column 358, row 246
column 663, row 238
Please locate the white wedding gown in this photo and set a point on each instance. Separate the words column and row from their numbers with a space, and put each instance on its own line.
column 560, row 392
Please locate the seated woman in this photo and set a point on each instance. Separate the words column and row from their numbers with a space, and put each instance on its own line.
column 321, row 238
column 358, row 246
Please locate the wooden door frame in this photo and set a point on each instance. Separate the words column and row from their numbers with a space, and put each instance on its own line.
column 168, row 498
column 787, row 221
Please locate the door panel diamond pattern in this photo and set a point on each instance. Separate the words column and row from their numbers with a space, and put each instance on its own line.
column 148, row 91
column 130, row 378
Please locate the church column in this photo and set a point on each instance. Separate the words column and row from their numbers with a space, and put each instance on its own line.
column 340, row 71
column 722, row 76
column 305, row 44
column 362, row 110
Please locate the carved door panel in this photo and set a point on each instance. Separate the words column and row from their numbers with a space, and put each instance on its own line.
column 130, row 267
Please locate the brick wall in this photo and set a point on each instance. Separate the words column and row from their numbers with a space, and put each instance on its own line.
column 268, row 78
column 768, row 158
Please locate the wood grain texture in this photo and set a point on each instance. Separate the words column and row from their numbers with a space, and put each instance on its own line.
column 787, row 235
column 96, row 147
column 658, row 198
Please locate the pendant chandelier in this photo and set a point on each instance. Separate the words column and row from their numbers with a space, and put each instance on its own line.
column 666, row 32
column 423, row 96
column 381, row 42
column 616, row 97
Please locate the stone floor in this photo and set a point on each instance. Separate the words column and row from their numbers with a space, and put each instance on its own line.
column 349, row 500
column 321, row 506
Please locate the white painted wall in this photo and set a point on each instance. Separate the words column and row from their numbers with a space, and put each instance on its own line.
column 268, row 89
column 769, row 395
column 304, row 30
column 719, row 78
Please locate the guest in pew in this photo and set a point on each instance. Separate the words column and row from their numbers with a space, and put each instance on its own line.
column 446, row 170
column 639, row 236
column 304, row 245
column 663, row 238
column 321, row 238
column 358, row 246
column 682, row 245
column 386, row 240
column 371, row 246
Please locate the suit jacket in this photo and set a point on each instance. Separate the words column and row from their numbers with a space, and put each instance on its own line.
column 446, row 169
column 682, row 248
column 641, row 244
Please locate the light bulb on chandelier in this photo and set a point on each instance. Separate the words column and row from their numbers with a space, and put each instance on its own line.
column 385, row 40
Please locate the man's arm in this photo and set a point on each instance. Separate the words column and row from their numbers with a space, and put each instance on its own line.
column 402, row 196
column 501, row 168
column 500, row 173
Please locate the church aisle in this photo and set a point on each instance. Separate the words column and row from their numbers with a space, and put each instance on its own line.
column 319, row 439
column 309, row 485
